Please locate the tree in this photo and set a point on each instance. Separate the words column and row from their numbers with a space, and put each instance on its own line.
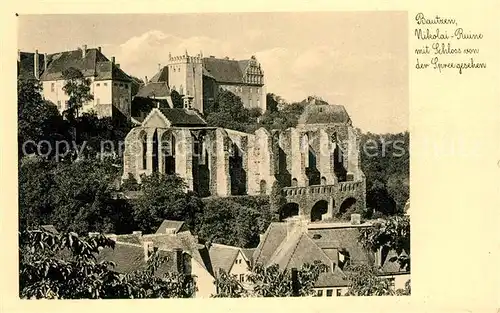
column 38, row 121
column 77, row 87
column 228, row 286
column 64, row 266
column 385, row 162
column 393, row 233
column 236, row 221
column 82, row 199
column 229, row 112
column 271, row 102
column 164, row 197
column 36, row 184
column 272, row 282
column 364, row 281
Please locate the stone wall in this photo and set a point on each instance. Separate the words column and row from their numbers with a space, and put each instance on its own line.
column 291, row 158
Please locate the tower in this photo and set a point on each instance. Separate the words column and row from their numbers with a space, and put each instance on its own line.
column 185, row 75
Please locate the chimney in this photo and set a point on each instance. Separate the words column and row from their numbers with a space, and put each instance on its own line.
column 177, row 259
column 145, row 80
column 99, row 49
column 159, row 67
column 36, row 68
column 113, row 60
column 84, row 51
column 148, row 249
column 355, row 219
column 45, row 61
column 137, row 233
column 118, row 65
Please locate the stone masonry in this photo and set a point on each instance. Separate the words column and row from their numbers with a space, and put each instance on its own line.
column 316, row 164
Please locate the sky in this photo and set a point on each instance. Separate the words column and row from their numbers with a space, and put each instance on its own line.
column 357, row 59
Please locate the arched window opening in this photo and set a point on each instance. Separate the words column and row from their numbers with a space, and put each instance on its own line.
column 317, row 211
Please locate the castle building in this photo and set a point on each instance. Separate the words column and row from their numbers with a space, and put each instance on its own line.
column 110, row 85
column 316, row 165
column 199, row 79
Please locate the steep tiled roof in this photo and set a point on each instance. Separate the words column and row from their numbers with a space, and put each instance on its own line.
column 224, row 70
column 127, row 257
column 305, row 252
column 93, row 64
column 273, row 237
column 243, row 65
column 130, row 257
column 166, row 224
column 183, row 240
column 222, row 257
column 248, row 252
column 161, row 76
column 154, row 90
column 183, row 117
column 26, row 64
column 324, row 114
column 129, row 238
column 332, row 279
column 346, row 238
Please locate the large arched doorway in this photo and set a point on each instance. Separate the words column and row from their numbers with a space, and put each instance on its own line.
column 289, row 210
column 347, row 207
column 317, row 211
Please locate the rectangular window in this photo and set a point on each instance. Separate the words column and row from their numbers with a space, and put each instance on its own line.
column 320, row 293
column 339, row 292
column 66, row 104
column 242, row 277
column 98, row 101
column 121, row 85
column 329, row 292
column 116, row 84
column 59, row 104
column 126, row 86
column 105, row 84
column 52, row 87
column 97, row 84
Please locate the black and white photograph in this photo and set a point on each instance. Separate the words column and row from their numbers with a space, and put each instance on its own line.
column 213, row 155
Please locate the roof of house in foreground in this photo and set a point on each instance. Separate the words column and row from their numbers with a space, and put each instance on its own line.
column 295, row 247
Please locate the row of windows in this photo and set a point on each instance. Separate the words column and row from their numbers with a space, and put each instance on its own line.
column 97, row 101
column 329, row 293
column 115, row 84
column 240, row 89
column 53, row 85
